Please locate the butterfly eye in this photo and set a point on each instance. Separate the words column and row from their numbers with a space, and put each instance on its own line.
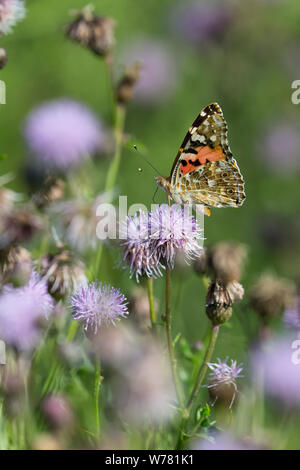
column 225, row 174
column 229, row 191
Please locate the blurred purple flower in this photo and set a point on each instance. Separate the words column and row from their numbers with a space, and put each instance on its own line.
column 280, row 146
column 276, row 363
column 144, row 391
column 57, row 411
column 98, row 304
column 202, row 22
column 173, row 229
column 11, row 12
column 291, row 316
column 224, row 441
column 158, row 72
column 61, row 133
column 20, row 311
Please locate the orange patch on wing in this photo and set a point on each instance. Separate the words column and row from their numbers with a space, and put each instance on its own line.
column 203, row 156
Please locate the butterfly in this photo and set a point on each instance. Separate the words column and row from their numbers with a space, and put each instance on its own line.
column 204, row 171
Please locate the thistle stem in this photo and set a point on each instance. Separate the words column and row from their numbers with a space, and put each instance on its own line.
column 202, row 371
column 114, row 166
column 151, row 302
column 172, row 357
column 200, row 377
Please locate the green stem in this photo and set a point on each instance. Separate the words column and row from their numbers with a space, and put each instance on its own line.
column 203, row 368
column 151, row 302
column 173, row 361
column 200, row 377
column 97, row 384
column 114, row 167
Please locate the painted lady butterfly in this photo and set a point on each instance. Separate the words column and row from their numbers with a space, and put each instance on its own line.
column 204, row 171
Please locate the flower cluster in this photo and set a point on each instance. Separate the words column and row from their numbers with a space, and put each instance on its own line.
column 152, row 240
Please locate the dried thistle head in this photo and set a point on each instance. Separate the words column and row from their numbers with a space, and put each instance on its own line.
column 63, row 273
column 93, row 32
column 52, row 191
column 126, row 87
column 16, row 265
column 270, row 295
column 226, row 261
column 218, row 303
column 18, row 226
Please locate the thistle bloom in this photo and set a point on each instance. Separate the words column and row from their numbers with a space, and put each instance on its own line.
column 138, row 252
column 20, row 311
column 224, row 374
column 11, row 12
column 157, row 66
column 97, row 304
column 61, row 133
column 152, row 240
column 173, row 229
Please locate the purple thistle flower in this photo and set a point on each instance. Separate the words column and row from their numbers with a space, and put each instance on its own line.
column 224, row 374
column 291, row 316
column 11, row 12
column 277, row 363
column 173, row 229
column 61, row 133
column 152, row 240
column 138, row 252
column 98, row 303
column 157, row 66
column 20, row 311
column 201, row 22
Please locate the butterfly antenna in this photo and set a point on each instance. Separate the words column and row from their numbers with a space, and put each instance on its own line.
column 146, row 160
column 153, row 198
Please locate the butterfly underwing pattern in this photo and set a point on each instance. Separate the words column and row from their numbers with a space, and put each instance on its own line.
column 204, row 172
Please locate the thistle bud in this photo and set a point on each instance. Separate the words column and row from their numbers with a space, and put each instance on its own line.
column 18, row 226
column 3, row 58
column 270, row 295
column 125, row 90
column 93, row 32
column 218, row 303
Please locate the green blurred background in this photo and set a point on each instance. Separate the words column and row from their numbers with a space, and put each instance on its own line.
column 248, row 71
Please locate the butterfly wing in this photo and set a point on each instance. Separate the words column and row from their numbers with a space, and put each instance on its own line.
column 204, row 169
